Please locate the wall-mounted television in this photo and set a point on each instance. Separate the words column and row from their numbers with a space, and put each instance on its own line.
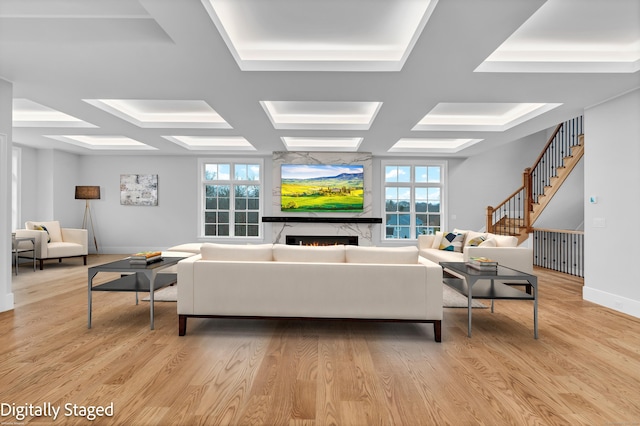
column 322, row 188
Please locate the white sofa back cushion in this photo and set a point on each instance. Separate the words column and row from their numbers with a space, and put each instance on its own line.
column 53, row 228
column 382, row 255
column 311, row 254
column 231, row 252
column 187, row 247
column 504, row 240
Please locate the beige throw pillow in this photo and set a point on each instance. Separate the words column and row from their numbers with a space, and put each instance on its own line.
column 234, row 252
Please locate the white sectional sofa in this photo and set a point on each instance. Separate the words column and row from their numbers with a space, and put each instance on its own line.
column 501, row 248
column 283, row 281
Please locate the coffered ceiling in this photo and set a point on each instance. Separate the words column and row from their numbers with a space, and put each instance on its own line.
column 396, row 78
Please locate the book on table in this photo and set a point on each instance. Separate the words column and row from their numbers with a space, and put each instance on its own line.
column 482, row 263
column 145, row 257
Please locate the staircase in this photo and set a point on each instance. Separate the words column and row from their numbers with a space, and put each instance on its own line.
column 517, row 214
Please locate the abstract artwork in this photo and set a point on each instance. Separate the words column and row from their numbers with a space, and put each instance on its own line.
column 139, row 190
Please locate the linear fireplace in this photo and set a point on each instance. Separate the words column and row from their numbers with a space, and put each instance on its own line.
column 321, row 240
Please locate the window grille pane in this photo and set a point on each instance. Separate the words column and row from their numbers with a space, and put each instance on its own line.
column 211, row 204
column 223, row 217
column 211, row 171
column 253, row 204
column 253, row 191
column 241, row 230
column 224, row 171
column 421, row 174
column 434, row 220
column 391, row 174
column 433, row 174
column 210, row 230
column 253, row 172
column 223, row 203
column 253, row 230
column 240, row 172
column 241, row 217
column 210, row 217
column 241, row 203
column 252, row 217
column 223, row 230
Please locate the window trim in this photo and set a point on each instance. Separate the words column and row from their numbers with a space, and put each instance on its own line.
column 202, row 162
column 412, row 184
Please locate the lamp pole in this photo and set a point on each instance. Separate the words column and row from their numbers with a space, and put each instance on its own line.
column 87, row 212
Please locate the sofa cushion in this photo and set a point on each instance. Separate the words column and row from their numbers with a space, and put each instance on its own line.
column 232, row 252
column 52, row 227
column 311, row 254
column 43, row 228
column 382, row 255
column 504, row 240
column 188, row 247
column 437, row 240
column 438, row 256
column 474, row 239
column 452, row 241
column 489, row 242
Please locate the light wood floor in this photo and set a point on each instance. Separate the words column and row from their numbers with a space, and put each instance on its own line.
column 584, row 368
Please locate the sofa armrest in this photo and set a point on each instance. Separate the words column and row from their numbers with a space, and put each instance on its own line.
column 78, row 236
column 425, row 241
column 186, row 283
column 520, row 258
column 41, row 241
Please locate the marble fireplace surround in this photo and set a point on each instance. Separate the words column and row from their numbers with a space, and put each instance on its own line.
column 361, row 224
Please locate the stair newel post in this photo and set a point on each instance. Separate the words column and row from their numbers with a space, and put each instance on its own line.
column 527, row 181
column 490, row 211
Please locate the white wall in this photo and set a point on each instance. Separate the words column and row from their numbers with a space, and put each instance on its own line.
column 612, row 155
column 6, row 104
column 487, row 179
column 566, row 208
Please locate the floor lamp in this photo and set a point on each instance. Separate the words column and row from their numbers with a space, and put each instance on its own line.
column 88, row 193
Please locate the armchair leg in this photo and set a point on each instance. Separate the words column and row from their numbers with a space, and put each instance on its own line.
column 85, row 259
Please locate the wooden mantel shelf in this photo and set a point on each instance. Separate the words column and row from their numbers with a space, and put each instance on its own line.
column 306, row 219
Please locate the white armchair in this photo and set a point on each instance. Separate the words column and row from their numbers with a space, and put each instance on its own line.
column 54, row 242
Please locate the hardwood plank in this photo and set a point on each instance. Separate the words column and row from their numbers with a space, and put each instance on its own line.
column 584, row 368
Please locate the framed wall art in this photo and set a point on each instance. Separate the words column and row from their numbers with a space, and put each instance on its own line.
column 139, row 190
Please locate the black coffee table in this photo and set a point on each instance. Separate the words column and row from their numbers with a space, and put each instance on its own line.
column 137, row 278
column 491, row 285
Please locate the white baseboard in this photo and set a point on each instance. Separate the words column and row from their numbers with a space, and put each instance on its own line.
column 6, row 302
column 613, row 301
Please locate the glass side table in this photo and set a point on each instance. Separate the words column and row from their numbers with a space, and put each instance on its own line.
column 17, row 249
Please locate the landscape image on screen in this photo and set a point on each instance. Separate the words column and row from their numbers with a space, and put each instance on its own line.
column 322, row 188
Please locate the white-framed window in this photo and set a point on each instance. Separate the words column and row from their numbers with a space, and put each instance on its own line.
column 413, row 194
column 16, row 163
column 230, row 198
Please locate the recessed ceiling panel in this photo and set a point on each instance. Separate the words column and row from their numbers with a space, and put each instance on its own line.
column 321, row 115
column 102, row 142
column 478, row 116
column 321, row 144
column 212, row 143
column 573, row 36
column 435, row 146
column 27, row 113
column 163, row 113
column 305, row 35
